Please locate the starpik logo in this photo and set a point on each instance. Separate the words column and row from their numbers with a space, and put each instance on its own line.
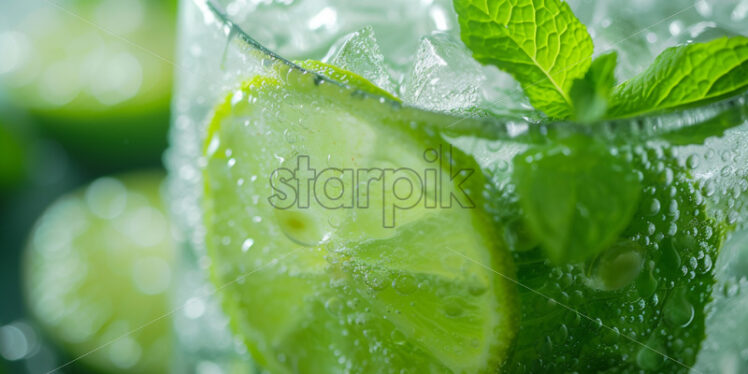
column 437, row 185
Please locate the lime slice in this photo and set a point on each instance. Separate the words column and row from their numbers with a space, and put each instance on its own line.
column 340, row 286
column 98, row 268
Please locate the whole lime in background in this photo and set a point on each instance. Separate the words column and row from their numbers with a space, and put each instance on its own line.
column 98, row 270
column 95, row 74
column 12, row 158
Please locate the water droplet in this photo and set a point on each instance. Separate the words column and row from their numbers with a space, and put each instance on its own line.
column 334, row 306
column 301, row 227
column 707, row 264
column 561, row 334
column 452, row 307
column 647, row 285
column 289, row 136
column 334, row 222
column 651, row 228
column 247, row 244
column 653, row 207
column 672, row 229
column 693, row 262
column 692, row 161
column 405, row 284
column 617, row 267
column 673, row 208
column 398, row 337
column 679, row 312
column 650, row 358
column 376, row 282
column 476, row 289
column 710, row 188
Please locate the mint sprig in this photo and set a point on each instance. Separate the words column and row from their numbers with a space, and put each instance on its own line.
column 540, row 42
column 548, row 50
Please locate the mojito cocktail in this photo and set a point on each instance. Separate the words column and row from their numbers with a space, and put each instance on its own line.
column 467, row 186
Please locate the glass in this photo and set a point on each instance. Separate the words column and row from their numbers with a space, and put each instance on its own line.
column 691, row 165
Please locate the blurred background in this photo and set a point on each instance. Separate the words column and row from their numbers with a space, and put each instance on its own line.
column 85, row 88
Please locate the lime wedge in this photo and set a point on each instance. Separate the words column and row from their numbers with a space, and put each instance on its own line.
column 98, row 271
column 345, row 283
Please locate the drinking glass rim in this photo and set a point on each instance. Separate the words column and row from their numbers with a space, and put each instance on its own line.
column 644, row 127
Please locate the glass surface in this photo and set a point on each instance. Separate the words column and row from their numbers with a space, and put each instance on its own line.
column 695, row 155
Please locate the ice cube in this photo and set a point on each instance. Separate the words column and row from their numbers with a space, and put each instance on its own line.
column 359, row 52
column 445, row 77
column 722, row 346
column 300, row 29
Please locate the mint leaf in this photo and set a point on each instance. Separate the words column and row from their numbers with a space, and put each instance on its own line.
column 576, row 197
column 685, row 75
column 651, row 287
column 539, row 42
column 590, row 94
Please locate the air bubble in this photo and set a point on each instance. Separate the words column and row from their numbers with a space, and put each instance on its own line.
column 405, row 284
column 452, row 308
column 653, row 207
column 334, row 306
column 398, row 337
column 672, row 229
column 650, row 355
column 692, row 161
column 289, row 136
column 678, row 310
column 302, row 228
column 376, row 282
